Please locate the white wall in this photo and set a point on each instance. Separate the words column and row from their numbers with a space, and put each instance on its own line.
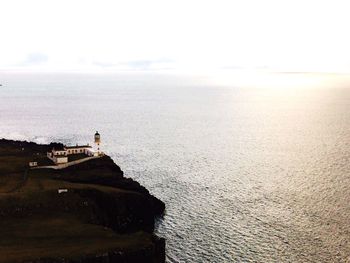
column 78, row 150
column 59, row 152
column 60, row 160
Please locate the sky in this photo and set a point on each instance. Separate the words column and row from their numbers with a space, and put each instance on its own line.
column 188, row 35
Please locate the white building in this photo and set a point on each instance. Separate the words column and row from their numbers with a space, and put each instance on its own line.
column 59, row 156
column 33, row 164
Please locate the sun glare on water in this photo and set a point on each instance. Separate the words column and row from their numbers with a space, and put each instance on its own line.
column 274, row 80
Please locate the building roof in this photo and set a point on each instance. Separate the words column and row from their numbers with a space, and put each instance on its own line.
column 92, row 150
column 77, row 147
column 59, row 150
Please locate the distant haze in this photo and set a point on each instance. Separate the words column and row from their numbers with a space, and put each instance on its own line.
column 175, row 35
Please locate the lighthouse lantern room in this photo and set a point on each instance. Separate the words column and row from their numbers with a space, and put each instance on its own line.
column 97, row 141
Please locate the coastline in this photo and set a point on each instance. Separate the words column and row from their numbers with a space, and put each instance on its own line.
column 102, row 216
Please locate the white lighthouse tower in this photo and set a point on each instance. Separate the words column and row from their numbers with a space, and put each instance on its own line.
column 97, row 142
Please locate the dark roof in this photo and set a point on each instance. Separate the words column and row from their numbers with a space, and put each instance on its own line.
column 97, row 133
column 78, row 147
column 58, row 155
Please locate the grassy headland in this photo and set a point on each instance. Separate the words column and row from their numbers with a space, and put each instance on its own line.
column 104, row 217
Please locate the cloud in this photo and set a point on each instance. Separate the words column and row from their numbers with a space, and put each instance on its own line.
column 164, row 63
column 104, row 64
column 145, row 64
column 36, row 58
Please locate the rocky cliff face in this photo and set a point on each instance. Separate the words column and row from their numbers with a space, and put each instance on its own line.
column 103, row 216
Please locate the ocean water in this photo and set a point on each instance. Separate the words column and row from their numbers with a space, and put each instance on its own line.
column 251, row 168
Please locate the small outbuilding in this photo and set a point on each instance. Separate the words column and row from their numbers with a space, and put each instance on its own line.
column 33, row 164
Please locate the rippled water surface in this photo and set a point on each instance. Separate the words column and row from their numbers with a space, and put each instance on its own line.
column 249, row 173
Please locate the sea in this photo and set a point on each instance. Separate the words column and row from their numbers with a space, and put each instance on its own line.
column 252, row 166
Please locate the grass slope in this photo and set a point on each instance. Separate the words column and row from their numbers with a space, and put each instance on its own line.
column 101, row 212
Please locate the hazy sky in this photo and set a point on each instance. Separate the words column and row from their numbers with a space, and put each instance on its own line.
column 185, row 35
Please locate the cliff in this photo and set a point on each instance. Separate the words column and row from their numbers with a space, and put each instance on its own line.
column 103, row 216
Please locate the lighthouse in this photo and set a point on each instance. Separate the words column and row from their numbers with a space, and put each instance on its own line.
column 97, row 142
